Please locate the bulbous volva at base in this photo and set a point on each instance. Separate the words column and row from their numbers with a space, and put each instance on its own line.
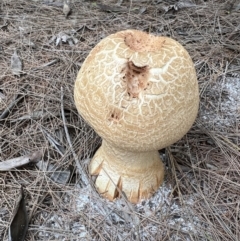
column 137, row 174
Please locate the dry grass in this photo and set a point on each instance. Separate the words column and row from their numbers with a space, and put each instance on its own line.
column 203, row 169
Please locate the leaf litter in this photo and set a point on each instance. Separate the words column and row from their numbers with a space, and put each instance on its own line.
column 199, row 199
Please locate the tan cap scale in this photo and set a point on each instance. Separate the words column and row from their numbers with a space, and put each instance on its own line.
column 140, row 94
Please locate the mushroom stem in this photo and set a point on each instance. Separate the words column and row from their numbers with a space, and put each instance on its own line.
column 137, row 174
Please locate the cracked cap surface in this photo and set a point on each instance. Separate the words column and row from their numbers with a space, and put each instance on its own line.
column 138, row 91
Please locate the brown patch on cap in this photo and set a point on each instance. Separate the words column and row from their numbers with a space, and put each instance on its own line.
column 143, row 42
column 115, row 115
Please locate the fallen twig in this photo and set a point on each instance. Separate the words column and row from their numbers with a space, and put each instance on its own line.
column 20, row 161
column 79, row 168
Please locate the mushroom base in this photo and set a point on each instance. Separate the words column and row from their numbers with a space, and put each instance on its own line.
column 136, row 174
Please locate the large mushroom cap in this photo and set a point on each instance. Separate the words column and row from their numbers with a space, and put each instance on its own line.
column 139, row 92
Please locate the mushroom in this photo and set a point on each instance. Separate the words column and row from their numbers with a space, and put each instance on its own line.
column 140, row 94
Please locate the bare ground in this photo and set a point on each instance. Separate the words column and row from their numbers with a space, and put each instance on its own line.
column 199, row 199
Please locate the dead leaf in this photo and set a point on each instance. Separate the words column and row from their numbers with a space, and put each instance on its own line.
column 57, row 174
column 66, row 8
column 16, row 64
column 54, row 4
column 142, row 10
column 119, row 2
column 112, row 8
column 63, row 38
column 19, row 224
column 59, row 147
column 179, row 5
column 61, row 176
column 185, row 4
column 236, row 6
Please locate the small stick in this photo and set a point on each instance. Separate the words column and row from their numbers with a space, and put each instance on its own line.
column 46, row 65
column 20, row 161
column 79, row 168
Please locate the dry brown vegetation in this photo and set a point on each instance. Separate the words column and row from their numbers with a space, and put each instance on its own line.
column 202, row 169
